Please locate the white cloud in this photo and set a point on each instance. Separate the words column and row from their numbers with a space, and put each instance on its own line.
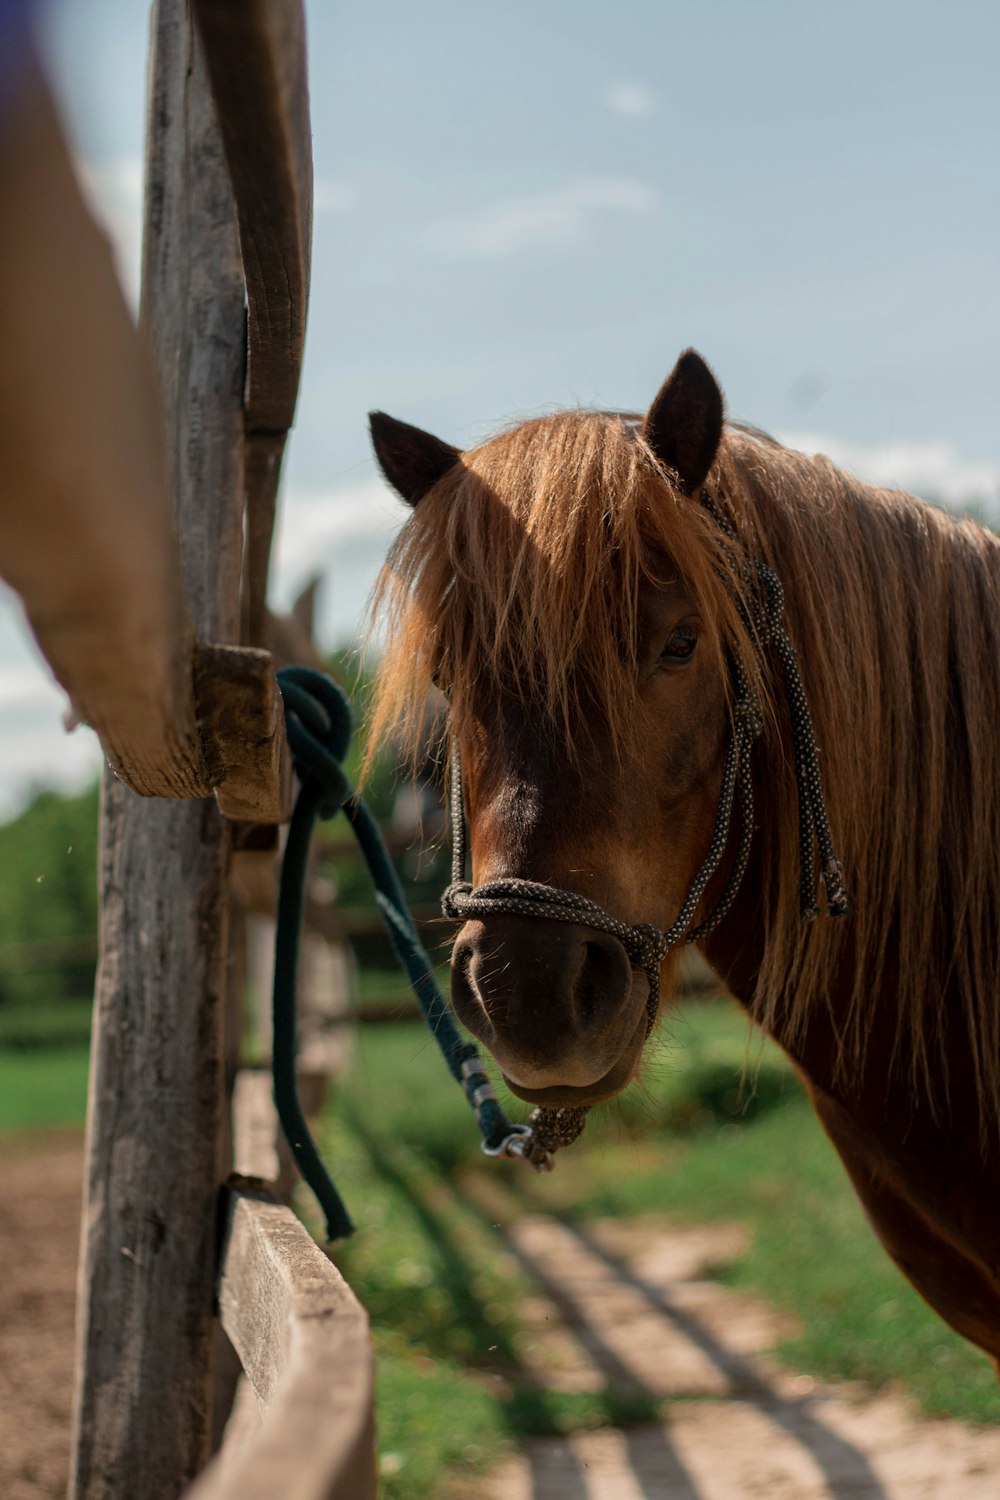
column 35, row 749
column 331, row 197
column 26, row 687
column 561, row 215
column 316, row 522
column 937, row 470
column 342, row 535
column 625, row 97
column 40, row 753
column 114, row 191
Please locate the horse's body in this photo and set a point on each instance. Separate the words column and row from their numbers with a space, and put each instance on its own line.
column 573, row 587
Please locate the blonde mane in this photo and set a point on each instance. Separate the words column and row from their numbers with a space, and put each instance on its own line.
column 522, row 568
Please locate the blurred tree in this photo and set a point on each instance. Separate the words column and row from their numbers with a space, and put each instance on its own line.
column 48, row 900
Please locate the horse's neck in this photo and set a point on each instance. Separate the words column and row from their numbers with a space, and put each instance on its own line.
column 895, row 620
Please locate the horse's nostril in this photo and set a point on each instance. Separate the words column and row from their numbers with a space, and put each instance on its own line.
column 552, row 1001
column 602, row 983
column 467, row 1000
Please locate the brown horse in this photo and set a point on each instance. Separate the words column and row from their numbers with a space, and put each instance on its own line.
column 580, row 588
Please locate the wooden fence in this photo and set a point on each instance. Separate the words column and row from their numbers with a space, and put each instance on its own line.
column 167, row 660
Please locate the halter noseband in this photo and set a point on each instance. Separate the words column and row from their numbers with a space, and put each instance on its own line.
column 646, row 945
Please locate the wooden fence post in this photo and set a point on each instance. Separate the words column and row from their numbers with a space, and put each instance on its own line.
column 142, row 1417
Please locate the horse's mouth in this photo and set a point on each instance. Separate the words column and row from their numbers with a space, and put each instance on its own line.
column 613, row 1081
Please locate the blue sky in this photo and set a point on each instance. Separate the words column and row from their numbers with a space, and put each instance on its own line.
column 526, row 206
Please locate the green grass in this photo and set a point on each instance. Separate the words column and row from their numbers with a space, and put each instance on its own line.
column 43, row 1087
column 380, row 986
column 59, row 1023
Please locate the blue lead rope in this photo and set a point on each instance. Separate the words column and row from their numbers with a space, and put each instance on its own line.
column 318, row 725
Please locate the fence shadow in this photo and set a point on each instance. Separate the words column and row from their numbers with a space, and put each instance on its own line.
column 533, row 1410
column 847, row 1472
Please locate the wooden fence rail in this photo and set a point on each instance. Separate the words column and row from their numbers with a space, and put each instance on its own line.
column 303, row 1340
column 301, row 1426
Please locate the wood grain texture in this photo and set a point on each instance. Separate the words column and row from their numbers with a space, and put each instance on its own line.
column 241, row 723
column 304, row 1342
column 256, row 62
column 257, row 67
column 265, row 451
column 256, row 1129
column 143, row 1405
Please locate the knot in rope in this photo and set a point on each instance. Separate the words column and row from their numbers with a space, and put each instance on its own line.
column 746, row 712
column 318, row 726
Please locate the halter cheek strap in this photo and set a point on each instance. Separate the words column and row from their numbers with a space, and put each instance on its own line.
column 646, row 945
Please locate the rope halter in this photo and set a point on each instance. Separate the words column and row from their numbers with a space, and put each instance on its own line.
column 762, row 612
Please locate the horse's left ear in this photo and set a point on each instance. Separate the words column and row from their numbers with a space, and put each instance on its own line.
column 412, row 460
column 684, row 424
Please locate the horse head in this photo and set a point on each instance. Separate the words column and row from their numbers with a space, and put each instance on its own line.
column 564, row 587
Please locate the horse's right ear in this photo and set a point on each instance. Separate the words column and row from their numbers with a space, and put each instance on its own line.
column 684, row 424
column 411, row 460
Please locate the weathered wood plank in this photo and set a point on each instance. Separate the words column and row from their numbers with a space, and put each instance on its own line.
column 255, row 1128
column 304, row 1342
column 256, row 62
column 143, row 1406
column 241, row 721
column 226, row 1368
column 264, row 454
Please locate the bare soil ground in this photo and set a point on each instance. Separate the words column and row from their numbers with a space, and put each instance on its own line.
column 40, row 1184
column 620, row 1304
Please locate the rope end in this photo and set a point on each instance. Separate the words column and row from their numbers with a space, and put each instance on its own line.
column 838, row 902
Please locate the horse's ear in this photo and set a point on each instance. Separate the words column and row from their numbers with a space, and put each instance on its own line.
column 411, row 460
column 684, row 424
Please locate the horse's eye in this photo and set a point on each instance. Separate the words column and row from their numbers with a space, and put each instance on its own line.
column 680, row 647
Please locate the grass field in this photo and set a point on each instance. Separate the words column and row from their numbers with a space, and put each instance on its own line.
column 691, row 1144
column 43, row 1086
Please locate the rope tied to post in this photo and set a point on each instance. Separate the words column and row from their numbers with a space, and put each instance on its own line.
column 318, row 724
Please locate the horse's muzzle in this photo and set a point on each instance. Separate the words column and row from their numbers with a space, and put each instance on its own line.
column 558, row 1005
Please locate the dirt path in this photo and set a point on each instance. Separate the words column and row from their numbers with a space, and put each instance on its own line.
column 628, row 1306
column 40, row 1178
column 618, row 1304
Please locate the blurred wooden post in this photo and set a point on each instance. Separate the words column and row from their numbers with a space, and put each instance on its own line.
column 143, row 1404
